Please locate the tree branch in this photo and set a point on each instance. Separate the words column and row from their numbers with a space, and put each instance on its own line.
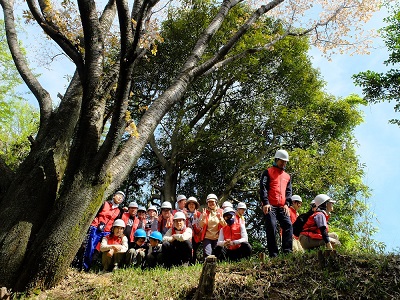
column 54, row 32
column 42, row 96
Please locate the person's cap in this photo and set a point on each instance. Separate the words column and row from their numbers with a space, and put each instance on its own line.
column 133, row 204
column 192, row 200
column 296, row 198
column 180, row 197
column 141, row 208
column 120, row 192
column 152, row 207
column 212, row 197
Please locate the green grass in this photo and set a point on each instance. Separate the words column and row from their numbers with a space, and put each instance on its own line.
column 296, row 276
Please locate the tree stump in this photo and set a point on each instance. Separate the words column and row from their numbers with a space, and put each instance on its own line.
column 206, row 284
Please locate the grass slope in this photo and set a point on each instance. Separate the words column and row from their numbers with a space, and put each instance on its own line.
column 343, row 276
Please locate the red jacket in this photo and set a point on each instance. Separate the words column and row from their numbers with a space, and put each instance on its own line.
column 232, row 233
column 197, row 233
column 107, row 215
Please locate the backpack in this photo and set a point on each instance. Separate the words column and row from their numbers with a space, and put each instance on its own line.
column 300, row 221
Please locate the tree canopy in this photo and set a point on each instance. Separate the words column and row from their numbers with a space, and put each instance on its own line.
column 88, row 144
column 379, row 87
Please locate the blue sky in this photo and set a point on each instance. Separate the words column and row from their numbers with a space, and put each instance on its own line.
column 379, row 141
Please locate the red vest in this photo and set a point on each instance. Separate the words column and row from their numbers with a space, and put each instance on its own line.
column 310, row 228
column 107, row 215
column 232, row 233
column 168, row 223
column 113, row 240
column 239, row 219
column 278, row 182
column 125, row 217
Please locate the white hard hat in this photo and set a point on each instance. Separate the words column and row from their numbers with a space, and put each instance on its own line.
column 152, row 207
column 179, row 215
column 321, row 198
column 133, row 204
column 212, row 197
column 242, row 205
column 228, row 210
column 282, row 154
column 226, row 204
column 119, row 223
column 192, row 200
column 296, row 198
column 120, row 192
column 180, row 197
column 166, row 204
column 141, row 208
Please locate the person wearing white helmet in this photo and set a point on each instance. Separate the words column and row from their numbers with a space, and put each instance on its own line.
column 240, row 210
column 114, row 247
column 192, row 221
column 152, row 220
column 315, row 231
column 131, row 221
column 233, row 241
column 180, row 204
column 177, row 243
column 294, row 208
column 142, row 217
column 99, row 228
column 226, row 204
column 165, row 219
column 275, row 194
column 211, row 221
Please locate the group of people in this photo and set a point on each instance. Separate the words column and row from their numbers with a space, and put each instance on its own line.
column 279, row 205
column 142, row 238
column 136, row 236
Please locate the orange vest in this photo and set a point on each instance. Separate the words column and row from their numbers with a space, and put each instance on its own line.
column 195, row 228
column 232, row 233
column 107, row 215
column 278, row 182
column 113, row 240
column 310, row 228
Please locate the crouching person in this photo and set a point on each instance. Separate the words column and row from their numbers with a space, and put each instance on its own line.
column 232, row 241
column 154, row 256
column 137, row 252
column 177, row 242
column 315, row 231
column 114, row 246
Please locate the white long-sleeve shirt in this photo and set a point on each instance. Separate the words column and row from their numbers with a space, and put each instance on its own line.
column 180, row 235
column 243, row 236
column 104, row 246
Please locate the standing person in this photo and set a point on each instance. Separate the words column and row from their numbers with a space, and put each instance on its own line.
column 131, row 221
column 101, row 226
column 232, row 242
column 241, row 209
column 275, row 194
column 177, row 243
column 152, row 220
column 315, row 231
column 296, row 204
column 181, row 202
column 141, row 214
column 192, row 222
column 113, row 247
column 165, row 220
column 211, row 221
